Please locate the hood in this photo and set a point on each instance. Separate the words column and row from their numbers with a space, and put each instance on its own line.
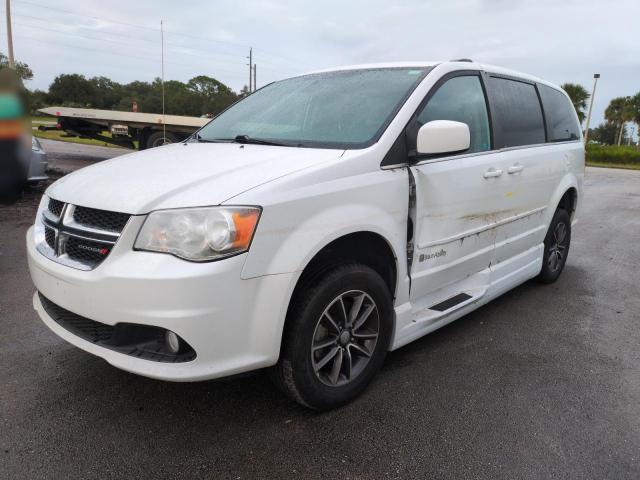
column 182, row 175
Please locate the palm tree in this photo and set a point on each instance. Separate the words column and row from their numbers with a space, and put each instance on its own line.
column 579, row 96
column 619, row 112
column 635, row 109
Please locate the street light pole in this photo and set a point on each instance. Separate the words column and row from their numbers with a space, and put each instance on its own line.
column 12, row 63
column 596, row 76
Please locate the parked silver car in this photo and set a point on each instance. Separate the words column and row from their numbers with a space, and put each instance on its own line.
column 37, row 168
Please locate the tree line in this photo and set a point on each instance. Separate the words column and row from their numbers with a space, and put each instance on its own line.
column 199, row 96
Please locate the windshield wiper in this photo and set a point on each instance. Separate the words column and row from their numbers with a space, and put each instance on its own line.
column 198, row 138
column 257, row 141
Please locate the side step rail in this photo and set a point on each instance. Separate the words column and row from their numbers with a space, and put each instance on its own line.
column 449, row 303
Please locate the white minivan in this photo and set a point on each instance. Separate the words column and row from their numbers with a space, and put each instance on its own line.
column 313, row 226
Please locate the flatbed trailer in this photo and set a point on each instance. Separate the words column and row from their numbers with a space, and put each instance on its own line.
column 148, row 129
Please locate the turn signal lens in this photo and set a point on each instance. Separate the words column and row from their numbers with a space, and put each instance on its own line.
column 244, row 224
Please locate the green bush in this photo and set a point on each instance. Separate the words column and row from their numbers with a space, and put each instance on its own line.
column 613, row 154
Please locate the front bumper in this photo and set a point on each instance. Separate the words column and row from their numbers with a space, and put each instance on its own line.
column 233, row 325
column 38, row 167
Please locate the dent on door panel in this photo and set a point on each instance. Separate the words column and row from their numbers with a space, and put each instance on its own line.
column 455, row 215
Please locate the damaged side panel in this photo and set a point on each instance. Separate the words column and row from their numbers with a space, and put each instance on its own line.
column 454, row 210
column 411, row 220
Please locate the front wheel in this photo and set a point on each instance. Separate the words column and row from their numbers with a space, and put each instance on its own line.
column 337, row 335
column 556, row 247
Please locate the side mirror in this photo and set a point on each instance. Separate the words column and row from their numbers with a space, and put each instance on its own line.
column 443, row 136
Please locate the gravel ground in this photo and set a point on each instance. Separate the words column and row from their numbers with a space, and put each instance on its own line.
column 544, row 382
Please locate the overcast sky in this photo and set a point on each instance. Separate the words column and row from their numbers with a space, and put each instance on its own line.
column 560, row 41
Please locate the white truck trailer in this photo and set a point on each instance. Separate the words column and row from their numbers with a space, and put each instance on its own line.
column 148, row 129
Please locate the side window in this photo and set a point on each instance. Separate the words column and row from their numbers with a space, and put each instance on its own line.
column 461, row 99
column 560, row 115
column 516, row 112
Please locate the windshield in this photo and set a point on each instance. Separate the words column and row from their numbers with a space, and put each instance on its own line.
column 343, row 109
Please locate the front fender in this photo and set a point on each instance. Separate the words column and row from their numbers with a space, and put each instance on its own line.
column 295, row 228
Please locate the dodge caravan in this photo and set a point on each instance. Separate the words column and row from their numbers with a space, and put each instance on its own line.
column 313, row 226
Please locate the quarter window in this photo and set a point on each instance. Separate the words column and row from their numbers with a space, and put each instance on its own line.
column 517, row 113
column 461, row 99
column 560, row 115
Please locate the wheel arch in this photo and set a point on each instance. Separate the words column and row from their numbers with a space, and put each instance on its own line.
column 567, row 196
column 379, row 255
column 569, row 201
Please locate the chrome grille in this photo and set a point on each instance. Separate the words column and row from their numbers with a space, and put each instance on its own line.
column 55, row 207
column 86, row 251
column 50, row 237
column 78, row 237
column 100, row 219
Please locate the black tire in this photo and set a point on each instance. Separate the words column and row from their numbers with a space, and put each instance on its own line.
column 295, row 373
column 157, row 139
column 556, row 247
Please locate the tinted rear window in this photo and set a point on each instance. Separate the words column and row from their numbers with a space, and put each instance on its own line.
column 517, row 113
column 560, row 115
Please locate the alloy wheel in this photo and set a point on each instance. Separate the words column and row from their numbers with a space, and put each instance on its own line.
column 558, row 247
column 345, row 338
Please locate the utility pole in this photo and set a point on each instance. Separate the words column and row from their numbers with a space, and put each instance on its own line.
column 164, row 124
column 12, row 63
column 255, row 83
column 250, row 57
column 596, row 76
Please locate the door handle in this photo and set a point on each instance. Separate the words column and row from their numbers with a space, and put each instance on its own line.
column 492, row 172
column 515, row 168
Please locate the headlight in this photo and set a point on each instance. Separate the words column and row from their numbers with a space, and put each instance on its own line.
column 199, row 234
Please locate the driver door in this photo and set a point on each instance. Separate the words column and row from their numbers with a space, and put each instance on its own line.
column 456, row 200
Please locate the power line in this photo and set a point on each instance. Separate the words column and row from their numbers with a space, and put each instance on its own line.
column 175, row 46
column 60, row 32
column 146, row 27
column 114, row 34
column 97, row 39
column 214, row 60
column 103, row 19
column 106, row 52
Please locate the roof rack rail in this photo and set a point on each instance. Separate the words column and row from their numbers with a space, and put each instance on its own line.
column 462, row 60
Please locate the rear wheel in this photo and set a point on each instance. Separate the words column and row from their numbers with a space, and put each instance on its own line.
column 337, row 335
column 556, row 247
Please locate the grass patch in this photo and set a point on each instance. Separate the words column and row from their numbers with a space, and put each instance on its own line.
column 613, row 156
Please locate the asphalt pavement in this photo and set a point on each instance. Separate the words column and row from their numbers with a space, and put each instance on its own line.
column 65, row 157
column 542, row 383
